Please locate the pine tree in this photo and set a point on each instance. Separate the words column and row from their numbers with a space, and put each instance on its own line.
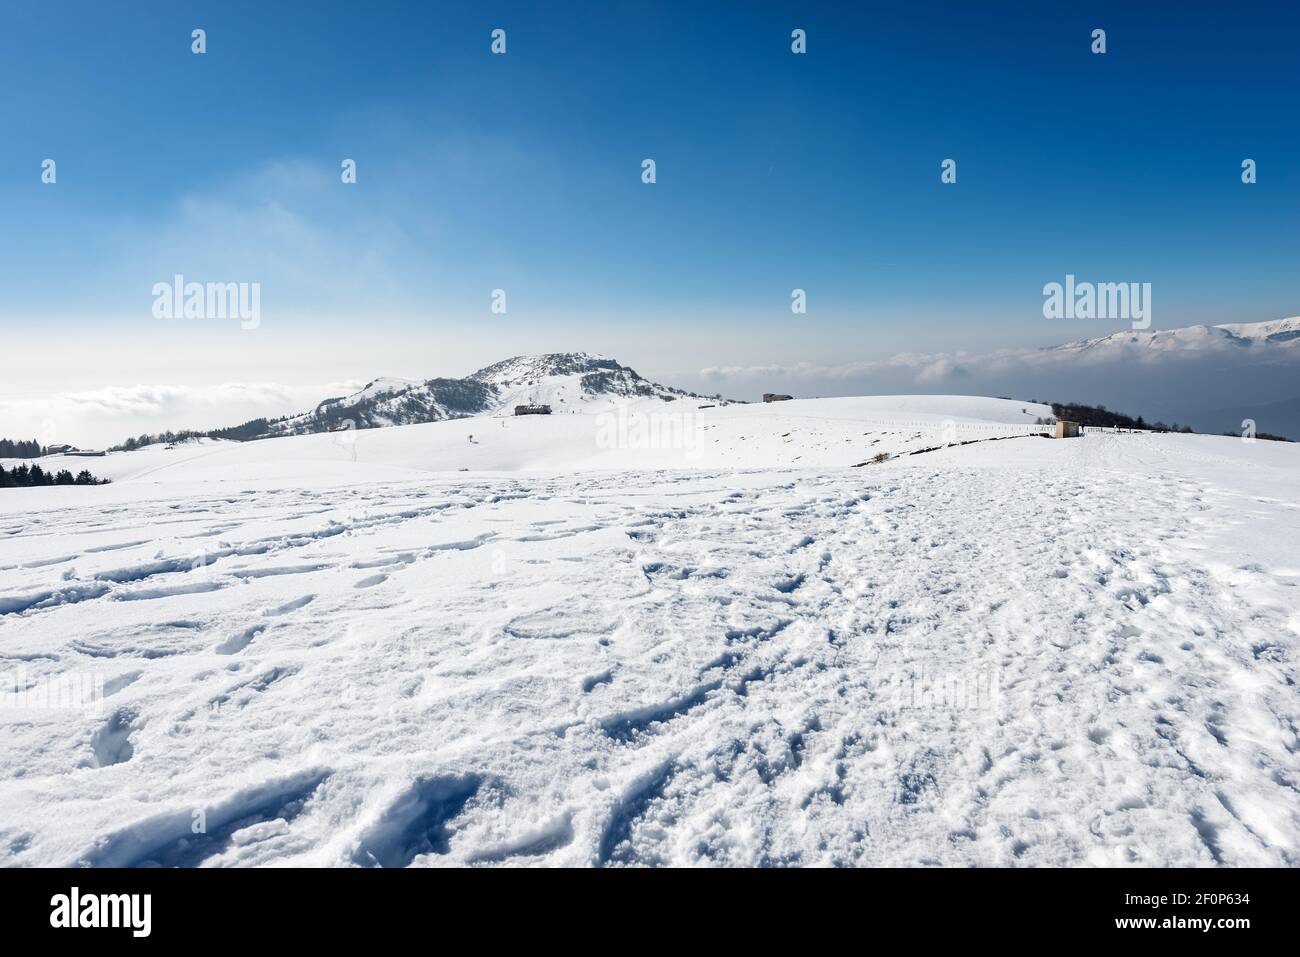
column 10, row 449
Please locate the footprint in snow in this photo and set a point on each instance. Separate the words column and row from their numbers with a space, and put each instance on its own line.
column 292, row 606
column 238, row 642
column 111, row 744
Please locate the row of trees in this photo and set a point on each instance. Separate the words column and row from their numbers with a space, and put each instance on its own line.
column 1266, row 436
column 252, row 429
column 1100, row 416
column 26, row 476
column 139, row 442
column 9, row 449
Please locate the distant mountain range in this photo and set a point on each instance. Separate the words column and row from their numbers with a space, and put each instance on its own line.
column 1211, row 377
column 1262, row 337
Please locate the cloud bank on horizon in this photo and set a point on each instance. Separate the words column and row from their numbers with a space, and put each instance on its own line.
column 1205, row 376
column 101, row 417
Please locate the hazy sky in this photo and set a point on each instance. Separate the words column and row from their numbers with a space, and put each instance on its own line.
column 522, row 172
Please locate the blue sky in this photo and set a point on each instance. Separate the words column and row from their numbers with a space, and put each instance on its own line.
column 522, row 172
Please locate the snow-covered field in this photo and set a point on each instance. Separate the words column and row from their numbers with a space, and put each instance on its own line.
column 702, row 638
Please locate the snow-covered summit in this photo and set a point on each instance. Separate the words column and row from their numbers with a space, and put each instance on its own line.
column 383, row 386
column 524, row 368
column 568, row 381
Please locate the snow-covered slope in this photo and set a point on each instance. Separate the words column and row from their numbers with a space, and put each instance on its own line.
column 599, row 432
column 387, row 402
column 1277, row 330
column 1012, row 652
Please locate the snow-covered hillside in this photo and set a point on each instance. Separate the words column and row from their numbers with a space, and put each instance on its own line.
column 566, row 380
column 604, row 432
column 706, row 638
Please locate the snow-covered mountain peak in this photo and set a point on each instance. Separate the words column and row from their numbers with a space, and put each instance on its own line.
column 521, row 369
column 382, row 386
column 568, row 381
